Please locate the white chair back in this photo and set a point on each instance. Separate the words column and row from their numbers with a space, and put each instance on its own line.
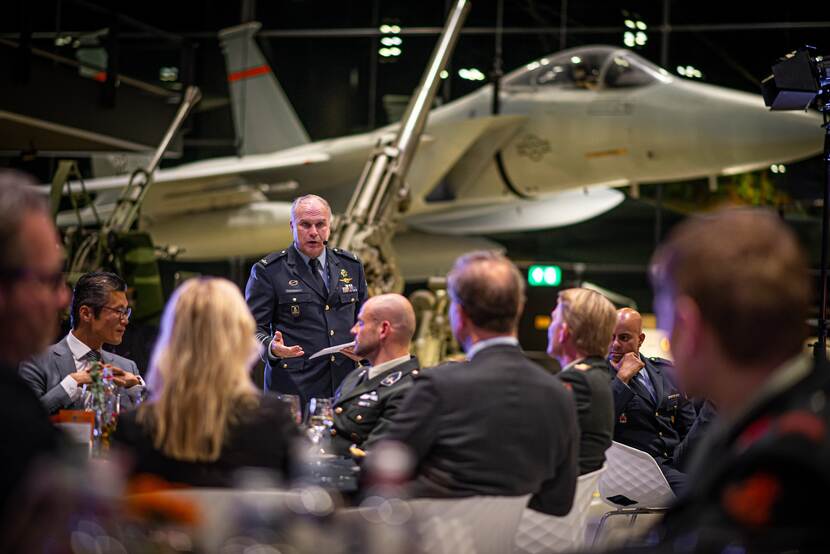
column 540, row 532
column 474, row 525
column 633, row 480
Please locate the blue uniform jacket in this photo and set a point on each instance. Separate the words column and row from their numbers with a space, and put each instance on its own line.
column 283, row 296
column 656, row 429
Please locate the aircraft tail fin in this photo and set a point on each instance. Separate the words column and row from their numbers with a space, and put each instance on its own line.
column 264, row 119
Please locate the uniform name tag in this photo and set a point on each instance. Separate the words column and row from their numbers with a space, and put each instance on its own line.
column 371, row 396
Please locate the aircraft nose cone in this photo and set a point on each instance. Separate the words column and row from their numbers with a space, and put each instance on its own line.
column 758, row 135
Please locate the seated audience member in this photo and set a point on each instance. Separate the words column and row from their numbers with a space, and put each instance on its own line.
column 651, row 413
column 733, row 290
column 685, row 452
column 498, row 424
column 578, row 337
column 369, row 396
column 206, row 418
column 99, row 314
column 32, row 295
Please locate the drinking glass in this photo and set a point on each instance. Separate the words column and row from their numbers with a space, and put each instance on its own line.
column 293, row 402
column 320, row 418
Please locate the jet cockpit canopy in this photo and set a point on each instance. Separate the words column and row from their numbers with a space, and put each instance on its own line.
column 587, row 68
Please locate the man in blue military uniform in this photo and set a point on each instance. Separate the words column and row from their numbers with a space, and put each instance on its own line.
column 651, row 413
column 306, row 298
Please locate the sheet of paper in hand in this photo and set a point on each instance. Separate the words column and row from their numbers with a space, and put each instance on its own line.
column 331, row 350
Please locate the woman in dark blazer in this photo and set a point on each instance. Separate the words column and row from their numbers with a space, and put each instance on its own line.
column 578, row 337
column 206, row 418
column 590, row 384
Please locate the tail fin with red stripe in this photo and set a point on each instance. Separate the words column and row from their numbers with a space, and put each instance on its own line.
column 264, row 119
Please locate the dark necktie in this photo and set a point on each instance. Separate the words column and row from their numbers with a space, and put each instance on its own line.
column 314, row 264
column 93, row 356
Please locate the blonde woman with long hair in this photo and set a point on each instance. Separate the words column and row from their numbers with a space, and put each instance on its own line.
column 206, row 418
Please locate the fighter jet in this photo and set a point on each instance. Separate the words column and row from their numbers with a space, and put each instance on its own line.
column 572, row 128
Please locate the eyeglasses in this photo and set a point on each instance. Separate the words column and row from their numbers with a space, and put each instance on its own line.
column 52, row 279
column 123, row 313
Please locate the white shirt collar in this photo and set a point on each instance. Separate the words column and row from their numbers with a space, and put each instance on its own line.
column 487, row 343
column 78, row 348
column 573, row 363
column 321, row 257
column 376, row 370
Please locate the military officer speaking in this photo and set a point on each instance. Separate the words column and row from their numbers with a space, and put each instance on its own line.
column 306, row 298
column 652, row 415
column 369, row 397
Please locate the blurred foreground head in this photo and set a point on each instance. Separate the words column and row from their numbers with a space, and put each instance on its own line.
column 733, row 291
column 200, row 368
column 32, row 287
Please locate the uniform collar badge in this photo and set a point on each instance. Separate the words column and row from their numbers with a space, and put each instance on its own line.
column 391, row 379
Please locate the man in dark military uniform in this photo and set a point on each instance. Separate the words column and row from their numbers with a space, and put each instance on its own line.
column 733, row 291
column 369, row 396
column 306, row 298
column 651, row 413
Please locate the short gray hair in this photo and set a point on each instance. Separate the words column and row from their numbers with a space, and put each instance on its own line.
column 18, row 198
column 306, row 199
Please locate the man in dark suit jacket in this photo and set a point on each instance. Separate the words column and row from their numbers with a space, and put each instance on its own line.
column 498, row 424
column 304, row 299
column 370, row 396
column 99, row 315
column 765, row 464
column 32, row 295
column 652, row 413
column 578, row 337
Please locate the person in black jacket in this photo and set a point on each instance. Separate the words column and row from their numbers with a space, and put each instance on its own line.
column 206, row 419
column 498, row 424
column 578, row 337
column 718, row 280
column 32, row 295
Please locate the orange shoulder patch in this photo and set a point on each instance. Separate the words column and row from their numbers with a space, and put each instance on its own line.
column 751, row 501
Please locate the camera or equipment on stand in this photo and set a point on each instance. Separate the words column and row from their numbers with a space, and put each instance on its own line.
column 799, row 81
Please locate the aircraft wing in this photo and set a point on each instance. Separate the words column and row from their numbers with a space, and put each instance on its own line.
column 220, row 171
column 512, row 215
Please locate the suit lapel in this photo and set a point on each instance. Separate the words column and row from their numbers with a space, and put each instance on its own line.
column 638, row 388
column 302, row 271
column 64, row 361
column 656, row 376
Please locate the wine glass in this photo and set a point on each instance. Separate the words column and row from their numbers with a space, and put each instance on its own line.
column 293, row 402
column 320, row 418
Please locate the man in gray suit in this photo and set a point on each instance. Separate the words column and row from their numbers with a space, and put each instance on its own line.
column 99, row 315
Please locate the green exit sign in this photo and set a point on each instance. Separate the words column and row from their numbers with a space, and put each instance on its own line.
column 544, row 275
